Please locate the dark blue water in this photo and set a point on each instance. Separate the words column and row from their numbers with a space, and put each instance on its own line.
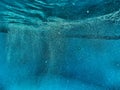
column 59, row 45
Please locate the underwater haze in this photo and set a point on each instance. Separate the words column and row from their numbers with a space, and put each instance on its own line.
column 60, row 45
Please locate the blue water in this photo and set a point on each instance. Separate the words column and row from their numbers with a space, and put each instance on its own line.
column 59, row 45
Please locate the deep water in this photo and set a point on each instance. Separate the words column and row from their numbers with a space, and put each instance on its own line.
column 59, row 45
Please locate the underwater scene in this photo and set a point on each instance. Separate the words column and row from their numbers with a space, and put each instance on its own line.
column 59, row 44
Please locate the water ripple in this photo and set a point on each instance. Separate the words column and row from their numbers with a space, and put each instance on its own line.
column 25, row 11
column 36, row 11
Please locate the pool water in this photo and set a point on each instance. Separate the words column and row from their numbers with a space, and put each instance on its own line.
column 59, row 45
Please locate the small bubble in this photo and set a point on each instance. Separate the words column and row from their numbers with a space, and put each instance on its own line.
column 73, row 4
column 88, row 11
column 59, row 33
column 118, row 65
column 46, row 61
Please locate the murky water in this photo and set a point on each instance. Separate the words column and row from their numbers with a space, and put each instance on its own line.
column 59, row 45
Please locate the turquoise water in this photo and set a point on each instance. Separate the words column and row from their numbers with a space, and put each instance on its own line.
column 59, row 45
